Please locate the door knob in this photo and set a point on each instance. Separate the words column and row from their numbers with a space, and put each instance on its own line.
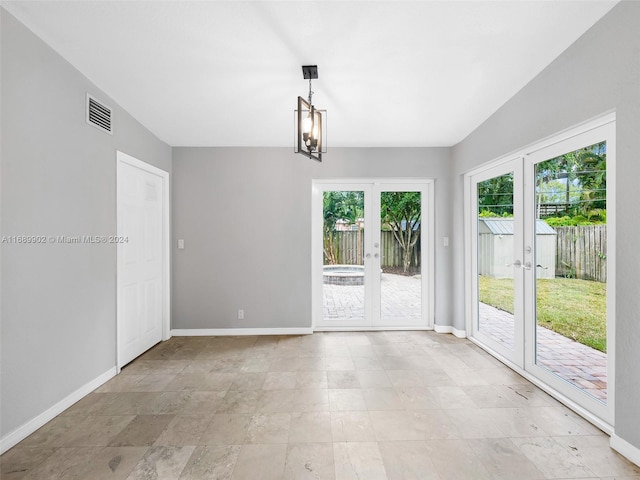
column 368, row 255
column 377, row 255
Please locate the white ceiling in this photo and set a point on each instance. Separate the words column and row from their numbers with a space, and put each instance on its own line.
column 391, row 73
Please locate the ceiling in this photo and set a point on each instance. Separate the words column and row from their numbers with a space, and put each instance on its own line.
column 391, row 73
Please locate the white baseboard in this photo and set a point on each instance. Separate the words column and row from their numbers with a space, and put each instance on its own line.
column 625, row 449
column 450, row 329
column 331, row 328
column 34, row 424
column 220, row 332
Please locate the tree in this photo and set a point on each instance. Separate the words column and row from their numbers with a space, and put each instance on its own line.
column 593, row 179
column 401, row 212
column 336, row 206
column 574, row 183
column 554, row 191
column 495, row 195
column 582, row 172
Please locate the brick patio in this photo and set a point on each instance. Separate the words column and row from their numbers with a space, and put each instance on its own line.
column 577, row 363
column 400, row 299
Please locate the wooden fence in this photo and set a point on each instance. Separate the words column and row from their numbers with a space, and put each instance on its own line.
column 349, row 249
column 582, row 252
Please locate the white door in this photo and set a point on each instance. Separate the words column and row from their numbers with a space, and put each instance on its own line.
column 402, row 254
column 373, row 255
column 541, row 252
column 576, row 360
column 496, row 259
column 343, row 274
column 141, row 293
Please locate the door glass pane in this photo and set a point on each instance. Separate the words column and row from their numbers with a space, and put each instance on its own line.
column 495, row 260
column 400, row 259
column 343, row 250
column 571, row 268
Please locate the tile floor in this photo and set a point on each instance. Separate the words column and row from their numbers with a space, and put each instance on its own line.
column 583, row 366
column 379, row 405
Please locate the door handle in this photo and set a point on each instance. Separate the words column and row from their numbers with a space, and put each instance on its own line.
column 377, row 255
column 368, row 255
column 516, row 264
column 527, row 266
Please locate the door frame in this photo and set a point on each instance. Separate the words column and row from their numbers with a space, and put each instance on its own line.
column 125, row 159
column 603, row 417
column 427, row 248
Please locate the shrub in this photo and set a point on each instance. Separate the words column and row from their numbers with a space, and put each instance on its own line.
column 577, row 220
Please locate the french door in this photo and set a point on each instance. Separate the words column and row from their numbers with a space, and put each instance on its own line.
column 497, row 229
column 372, row 244
column 541, row 257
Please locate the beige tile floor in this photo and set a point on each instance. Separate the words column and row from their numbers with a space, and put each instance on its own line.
column 379, row 405
column 579, row 364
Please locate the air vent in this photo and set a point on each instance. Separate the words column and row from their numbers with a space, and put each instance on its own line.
column 99, row 115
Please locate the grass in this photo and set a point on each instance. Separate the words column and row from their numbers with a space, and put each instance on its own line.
column 574, row 308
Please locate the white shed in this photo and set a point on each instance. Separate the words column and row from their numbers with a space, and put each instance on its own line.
column 495, row 248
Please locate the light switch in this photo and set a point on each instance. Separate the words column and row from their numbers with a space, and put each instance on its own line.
column 181, row 244
column 445, row 241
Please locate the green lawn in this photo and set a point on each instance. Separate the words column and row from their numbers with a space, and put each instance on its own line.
column 574, row 308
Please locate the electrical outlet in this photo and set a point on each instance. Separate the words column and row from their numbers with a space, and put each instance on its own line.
column 240, row 314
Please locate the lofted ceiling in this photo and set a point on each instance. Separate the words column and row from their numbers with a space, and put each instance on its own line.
column 391, row 73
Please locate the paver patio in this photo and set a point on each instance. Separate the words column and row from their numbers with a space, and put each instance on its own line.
column 577, row 363
column 400, row 299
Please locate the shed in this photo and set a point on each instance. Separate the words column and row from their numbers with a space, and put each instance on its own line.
column 495, row 248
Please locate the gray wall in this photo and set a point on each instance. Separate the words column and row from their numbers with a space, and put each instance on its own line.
column 58, row 177
column 58, row 302
column 245, row 217
column 599, row 73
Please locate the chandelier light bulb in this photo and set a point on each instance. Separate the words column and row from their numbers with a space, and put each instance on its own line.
column 306, row 124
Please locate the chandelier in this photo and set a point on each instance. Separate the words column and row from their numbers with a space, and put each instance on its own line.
column 310, row 123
